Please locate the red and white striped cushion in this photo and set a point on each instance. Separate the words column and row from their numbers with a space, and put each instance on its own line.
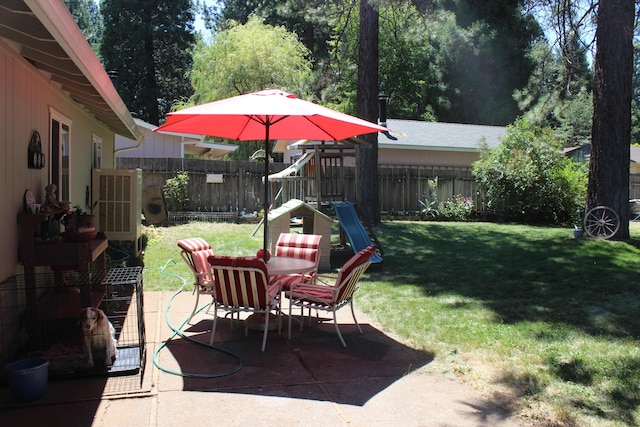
column 196, row 251
column 194, row 244
column 301, row 246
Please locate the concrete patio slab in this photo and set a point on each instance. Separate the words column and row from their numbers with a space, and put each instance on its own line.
column 311, row 379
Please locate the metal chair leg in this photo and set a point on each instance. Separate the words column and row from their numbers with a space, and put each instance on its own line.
column 266, row 330
column 353, row 313
column 215, row 322
column 335, row 323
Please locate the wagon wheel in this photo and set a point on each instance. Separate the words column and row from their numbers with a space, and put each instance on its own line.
column 602, row 222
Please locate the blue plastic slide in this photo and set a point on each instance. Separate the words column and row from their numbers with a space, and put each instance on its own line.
column 353, row 228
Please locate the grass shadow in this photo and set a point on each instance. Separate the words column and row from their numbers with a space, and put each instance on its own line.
column 562, row 298
column 547, row 277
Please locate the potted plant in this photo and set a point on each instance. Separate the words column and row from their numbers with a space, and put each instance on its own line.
column 79, row 226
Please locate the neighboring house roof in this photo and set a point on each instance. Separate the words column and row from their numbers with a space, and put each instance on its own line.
column 210, row 150
column 580, row 153
column 419, row 135
column 583, row 153
column 452, row 144
column 282, row 145
column 151, row 127
column 191, row 143
column 45, row 34
column 437, row 136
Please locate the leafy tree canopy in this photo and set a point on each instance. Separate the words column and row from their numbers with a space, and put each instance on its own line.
column 435, row 65
column 306, row 18
column 246, row 58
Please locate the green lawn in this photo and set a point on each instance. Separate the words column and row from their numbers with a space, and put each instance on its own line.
column 527, row 315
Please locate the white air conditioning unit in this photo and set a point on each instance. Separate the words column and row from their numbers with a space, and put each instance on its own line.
column 117, row 201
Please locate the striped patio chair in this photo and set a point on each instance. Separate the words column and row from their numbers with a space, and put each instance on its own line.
column 304, row 246
column 331, row 296
column 195, row 253
column 241, row 284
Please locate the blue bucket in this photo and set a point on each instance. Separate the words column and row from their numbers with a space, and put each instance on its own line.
column 28, row 378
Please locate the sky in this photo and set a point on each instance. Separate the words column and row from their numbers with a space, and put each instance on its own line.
column 199, row 23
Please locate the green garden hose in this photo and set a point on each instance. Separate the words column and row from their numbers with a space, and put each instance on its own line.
column 177, row 332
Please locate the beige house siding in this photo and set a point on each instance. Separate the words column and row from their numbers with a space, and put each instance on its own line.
column 26, row 99
column 634, row 164
column 414, row 157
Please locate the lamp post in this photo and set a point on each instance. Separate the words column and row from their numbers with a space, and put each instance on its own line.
column 382, row 108
column 113, row 76
column 382, row 113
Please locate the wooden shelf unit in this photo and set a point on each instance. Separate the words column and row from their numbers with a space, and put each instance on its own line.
column 77, row 256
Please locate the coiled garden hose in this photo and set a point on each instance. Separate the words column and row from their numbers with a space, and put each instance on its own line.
column 177, row 332
column 124, row 256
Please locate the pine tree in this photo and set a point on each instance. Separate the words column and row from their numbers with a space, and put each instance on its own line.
column 87, row 16
column 149, row 43
column 367, row 158
column 609, row 162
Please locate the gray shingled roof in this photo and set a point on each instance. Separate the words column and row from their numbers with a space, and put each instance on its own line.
column 418, row 135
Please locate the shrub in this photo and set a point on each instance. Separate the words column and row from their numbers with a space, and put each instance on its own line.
column 458, row 208
column 176, row 192
column 527, row 178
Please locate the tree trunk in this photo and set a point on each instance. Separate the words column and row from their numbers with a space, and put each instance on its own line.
column 367, row 100
column 611, row 131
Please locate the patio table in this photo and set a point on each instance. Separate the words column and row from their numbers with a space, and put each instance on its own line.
column 278, row 265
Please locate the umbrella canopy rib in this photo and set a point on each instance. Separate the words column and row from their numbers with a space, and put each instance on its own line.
column 265, row 120
column 323, row 129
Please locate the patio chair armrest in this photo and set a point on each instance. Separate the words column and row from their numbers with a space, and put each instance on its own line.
column 275, row 288
column 325, row 279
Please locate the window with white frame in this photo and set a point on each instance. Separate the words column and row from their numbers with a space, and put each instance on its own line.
column 60, row 153
column 97, row 152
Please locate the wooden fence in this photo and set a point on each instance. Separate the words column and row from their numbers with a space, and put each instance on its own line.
column 401, row 187
column 236, row 186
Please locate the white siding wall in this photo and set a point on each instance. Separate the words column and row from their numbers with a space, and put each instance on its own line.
column 26, row 97
column 156, row 145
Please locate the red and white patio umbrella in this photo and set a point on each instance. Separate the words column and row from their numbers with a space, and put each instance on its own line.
column 267, row 115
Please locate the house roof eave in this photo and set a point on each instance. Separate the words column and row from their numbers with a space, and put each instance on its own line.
column 47, row 36
column 395, row 146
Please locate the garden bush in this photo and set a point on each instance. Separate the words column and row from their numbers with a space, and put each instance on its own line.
column 176, row 191
column 528, row 179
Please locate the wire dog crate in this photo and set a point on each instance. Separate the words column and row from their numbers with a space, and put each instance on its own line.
column 39, row 316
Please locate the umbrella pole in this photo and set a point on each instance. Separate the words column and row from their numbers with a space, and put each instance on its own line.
column 265, row 203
